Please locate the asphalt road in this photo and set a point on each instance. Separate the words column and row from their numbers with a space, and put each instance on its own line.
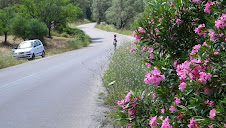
column 60, row 91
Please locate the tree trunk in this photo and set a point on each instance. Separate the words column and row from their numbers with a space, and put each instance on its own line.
column 50, row 31
column 5, row 42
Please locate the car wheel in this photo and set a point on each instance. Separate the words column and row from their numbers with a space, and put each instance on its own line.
column 33, row 56
column 43, row 54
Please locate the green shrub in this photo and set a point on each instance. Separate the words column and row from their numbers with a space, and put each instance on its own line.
column 28, row 28
column 80, row 40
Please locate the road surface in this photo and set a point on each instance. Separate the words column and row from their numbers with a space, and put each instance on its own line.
column 60, row 91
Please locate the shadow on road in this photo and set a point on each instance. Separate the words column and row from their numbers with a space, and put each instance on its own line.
column 97, row 40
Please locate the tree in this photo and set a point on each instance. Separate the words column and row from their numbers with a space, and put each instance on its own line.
column 54, row 13
column 99, row 9
column 6, row 15
column 29, row 28
column 85, row 5
column 123, row 11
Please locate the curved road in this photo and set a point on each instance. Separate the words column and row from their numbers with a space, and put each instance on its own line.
column 60, row 91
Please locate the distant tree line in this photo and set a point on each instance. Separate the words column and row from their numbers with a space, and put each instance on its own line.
column 121, row 13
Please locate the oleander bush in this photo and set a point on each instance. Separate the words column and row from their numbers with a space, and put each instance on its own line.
column 184, row 47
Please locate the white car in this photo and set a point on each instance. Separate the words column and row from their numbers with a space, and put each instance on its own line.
column 29, row 49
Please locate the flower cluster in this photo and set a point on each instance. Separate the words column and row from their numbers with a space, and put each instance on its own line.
column 155, row 77
column 221, row 22
column 165, row 123
column 129, row 106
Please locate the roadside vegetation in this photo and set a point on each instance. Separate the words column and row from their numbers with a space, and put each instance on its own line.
column 175, row 73
column 28, row 19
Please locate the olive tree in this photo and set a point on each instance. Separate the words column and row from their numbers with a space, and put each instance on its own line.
column 28, row 28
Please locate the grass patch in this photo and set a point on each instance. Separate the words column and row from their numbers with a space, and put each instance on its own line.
column 127, row 71
column 112, row 28
column 80, row 40
column 6, row 57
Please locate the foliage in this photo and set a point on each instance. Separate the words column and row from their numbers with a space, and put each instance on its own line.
column 80, row 40
column 85, row 5
column 123, row 12
column 99, row 9
column 55, row 13
column 6, row 16
column 8, row 3
column 184, row 48
column 28, row 28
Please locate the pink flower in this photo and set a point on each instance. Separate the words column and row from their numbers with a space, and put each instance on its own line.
column 121, row 103
column 195, row 49
column 177, row 101
column 152, row 22
column 150, row 50
column 178, row 21
column 160, row 20
column 130, row 126
column 166, row 124
column 196, row 1
column 138, row 38
column 175, row 63
column 163, row 110
column 182, row 70
column 144, row 49
column 220, row 23
column 216, row 53
column 171, row 4
column 180, row 116
column 154, row 95
column 212, row 113
column 207, row 91
column 193, row 123
column 156, row 30
column 196, row 61
column 172, row 109
column 154, row 77
column 134, row 33
column 204, row 77
column 132, row 50
column 148, row 65
column 212, row 35
column 141, row 30
column 200, row 30
column 207, row 102
column 182, row 86
column 131, row 111
column 152, row 56
column 127, row 98
column 205, row 44
column 211, row 104
column 153, row 122
column 211, row 126
column 208, row 6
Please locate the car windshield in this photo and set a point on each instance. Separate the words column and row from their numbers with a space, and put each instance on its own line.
column 24, row 45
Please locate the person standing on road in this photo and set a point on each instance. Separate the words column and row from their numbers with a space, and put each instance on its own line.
column 115, row 41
